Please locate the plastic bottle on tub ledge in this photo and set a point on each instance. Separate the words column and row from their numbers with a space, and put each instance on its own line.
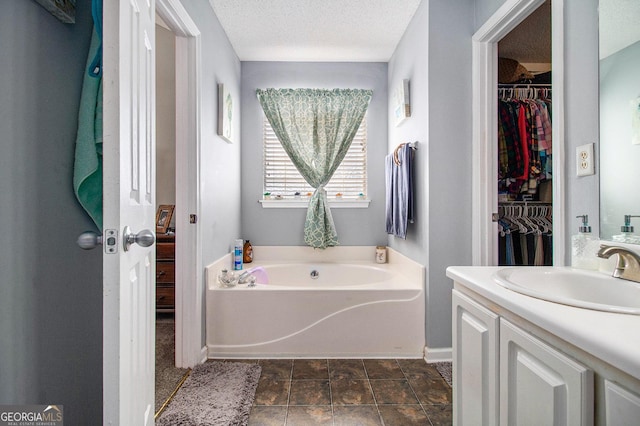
column 237, row 255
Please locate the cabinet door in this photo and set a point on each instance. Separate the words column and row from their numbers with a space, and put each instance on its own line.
column 539, row 385
column 475, row 362
column 622, row 405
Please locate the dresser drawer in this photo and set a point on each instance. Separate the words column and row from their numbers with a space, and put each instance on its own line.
column 165, row 251
column 165, row 272
column 165, row 297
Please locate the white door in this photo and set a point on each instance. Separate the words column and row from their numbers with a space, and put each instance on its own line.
column 129, row 201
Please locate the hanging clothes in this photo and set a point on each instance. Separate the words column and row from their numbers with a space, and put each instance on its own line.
column 525, row 234
column 524, row 142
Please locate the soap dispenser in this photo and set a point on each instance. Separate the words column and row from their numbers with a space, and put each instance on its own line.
column 627, row 235
column 584, row 247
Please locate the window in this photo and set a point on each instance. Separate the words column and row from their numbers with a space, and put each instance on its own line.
column 282, row 179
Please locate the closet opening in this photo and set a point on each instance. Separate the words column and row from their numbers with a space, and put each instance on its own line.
column 524, row 143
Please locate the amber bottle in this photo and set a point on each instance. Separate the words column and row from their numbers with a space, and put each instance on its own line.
column 247, row 252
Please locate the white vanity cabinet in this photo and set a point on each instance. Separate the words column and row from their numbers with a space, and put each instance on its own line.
column 539, row 385
column 622, row 406
column 519, row 360
column 475, row 351
column 504, row 375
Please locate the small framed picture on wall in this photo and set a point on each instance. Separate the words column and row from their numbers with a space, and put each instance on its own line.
column 225, row 113
column 163, row 217
column 401, row 104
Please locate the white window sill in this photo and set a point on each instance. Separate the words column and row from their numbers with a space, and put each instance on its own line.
column 302, row 204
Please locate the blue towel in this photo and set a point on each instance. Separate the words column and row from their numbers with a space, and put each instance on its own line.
column 87, row 172
column 399, row 196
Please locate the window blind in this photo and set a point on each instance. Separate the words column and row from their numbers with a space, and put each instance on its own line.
column 282, row 178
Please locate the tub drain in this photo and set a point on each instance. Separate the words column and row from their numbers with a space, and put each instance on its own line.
column 314, row 274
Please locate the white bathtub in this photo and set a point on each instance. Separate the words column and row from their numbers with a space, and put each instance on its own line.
column 355, row 308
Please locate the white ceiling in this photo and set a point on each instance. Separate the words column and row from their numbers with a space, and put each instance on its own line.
column 315, row 30
column 619, row 25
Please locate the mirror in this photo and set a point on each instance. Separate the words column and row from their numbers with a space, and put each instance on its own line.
column 619, row 119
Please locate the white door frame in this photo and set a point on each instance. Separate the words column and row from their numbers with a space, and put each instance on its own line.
column 189, row 275
column 485, row 131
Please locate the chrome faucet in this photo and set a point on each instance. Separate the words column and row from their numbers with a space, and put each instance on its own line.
column 628, row 264
column 246, row 277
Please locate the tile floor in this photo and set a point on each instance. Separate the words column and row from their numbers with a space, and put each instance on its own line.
column 349, row 392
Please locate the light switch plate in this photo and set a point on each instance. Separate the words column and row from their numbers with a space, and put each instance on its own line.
column 584, row 160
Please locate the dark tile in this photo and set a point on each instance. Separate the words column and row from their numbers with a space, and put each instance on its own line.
column 431, row 391
column 310, row 369
column 383, row 369
column 310, row 415
column 263, row 415
column 393, row 392
column 440, row 415
column 309, row 392
column 276, row 368
column 360, row 415
column 272, row 392
column 351, row 392
column 418, row 368
column 346, row 369
column 403, row 415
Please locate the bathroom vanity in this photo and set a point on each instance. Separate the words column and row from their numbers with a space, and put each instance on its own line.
column 521, row 360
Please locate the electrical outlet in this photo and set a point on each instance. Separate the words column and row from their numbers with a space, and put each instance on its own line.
column 584, row 160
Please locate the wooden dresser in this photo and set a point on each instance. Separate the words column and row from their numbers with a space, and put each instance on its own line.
column 165, row 272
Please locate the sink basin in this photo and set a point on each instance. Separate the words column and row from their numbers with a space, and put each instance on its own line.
column 574, row 287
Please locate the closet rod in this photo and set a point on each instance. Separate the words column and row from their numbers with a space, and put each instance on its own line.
column 524, row 203
column 522, row 85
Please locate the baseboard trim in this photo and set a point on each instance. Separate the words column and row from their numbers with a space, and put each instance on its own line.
column 204, row 354
column 432, row 355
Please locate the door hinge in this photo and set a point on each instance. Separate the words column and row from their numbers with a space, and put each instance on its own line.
column 193, row 218
column 495, row 217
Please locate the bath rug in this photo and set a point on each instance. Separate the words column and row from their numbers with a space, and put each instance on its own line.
column 168, row 376
column 215, row 394
column 444, row 368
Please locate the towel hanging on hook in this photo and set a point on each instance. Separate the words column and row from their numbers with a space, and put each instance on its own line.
column 412, row 145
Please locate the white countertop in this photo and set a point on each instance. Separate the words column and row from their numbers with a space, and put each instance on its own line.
column 613, row 338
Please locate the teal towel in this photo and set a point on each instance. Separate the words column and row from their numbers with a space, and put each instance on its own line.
column 87, row 172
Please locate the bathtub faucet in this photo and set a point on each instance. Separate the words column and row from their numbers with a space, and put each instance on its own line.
column 245, row 276
column 252, row 275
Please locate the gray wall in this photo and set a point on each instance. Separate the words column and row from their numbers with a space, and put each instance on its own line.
column 581, row 111
column 219, row 217
column 435, row 54
column 286, row 226
column 50, row 290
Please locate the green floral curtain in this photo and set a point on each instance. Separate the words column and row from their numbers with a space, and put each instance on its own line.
column 316, row 127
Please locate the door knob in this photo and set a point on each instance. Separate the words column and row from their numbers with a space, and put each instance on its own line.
column 89, row 240
column 144, row 238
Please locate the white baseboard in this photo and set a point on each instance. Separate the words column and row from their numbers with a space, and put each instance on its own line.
column 204, row 354
column 437, row 354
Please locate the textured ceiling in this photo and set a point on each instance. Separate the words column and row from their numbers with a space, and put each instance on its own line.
column 315, row 30
column 530, row 42
column 619, row 25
